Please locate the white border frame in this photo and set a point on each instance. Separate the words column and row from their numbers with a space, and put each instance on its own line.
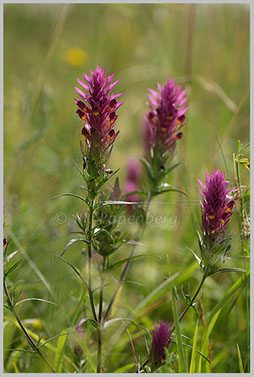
column 251, row 3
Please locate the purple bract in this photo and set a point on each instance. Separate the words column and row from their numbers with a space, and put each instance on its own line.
column 166, row 117
column 217, row 205
column 160, row 341
column 97, row 109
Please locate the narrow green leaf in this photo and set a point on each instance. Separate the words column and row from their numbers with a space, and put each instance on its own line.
column 35, row 299
column 172, row 168
column 195, row 255
column 117, row 264
column 97, row 231
column 181, row 360
column 211, row 320
column 71, row 242
column 70, row 194
column 112, row 321
column 36, row 337
column 115, row 283
column 241, row 369
column 124, row 368
column 91, row 320
column 58, row 363
column 117, row 202
column 222, row 153
column 193, row 355
column 112, row 175
column 154, row 294
column 137, row 192
column 20, row 350
column 163, row 191
column 230, row 269
column 78, row 169
column 12, row 268
column 197, row 351
column 75, row 270
column 86, row 351
column 33, row 265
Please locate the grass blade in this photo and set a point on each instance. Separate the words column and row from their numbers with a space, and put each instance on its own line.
column 179, row 344
column 240, row 359
column 33, row 265
column 193, row 355
column 36, row 337
column 154, row 294
column 124, row 368
column 58, row 364
column 86, row 351
column 211, row 320
column 222, row 153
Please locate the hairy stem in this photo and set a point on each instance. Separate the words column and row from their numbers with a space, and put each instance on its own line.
column 100, row 331
column 30, row 340
column 90, row 224
column 99, row 349
column 101, row 289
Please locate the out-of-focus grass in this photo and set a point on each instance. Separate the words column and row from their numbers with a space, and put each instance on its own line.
column 143, row 45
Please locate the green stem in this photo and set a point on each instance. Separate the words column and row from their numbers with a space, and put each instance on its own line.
column 127, row 264
column 99, row 349
column 240, row 222
column 192, row 300
column 100, row 330
column 90, row 224
column 30, row 340
column 101, row 289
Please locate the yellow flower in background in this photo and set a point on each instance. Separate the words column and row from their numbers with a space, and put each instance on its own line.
column 75, row 56
column 37, row 324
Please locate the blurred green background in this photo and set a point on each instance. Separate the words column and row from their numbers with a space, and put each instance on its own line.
column 46, row 47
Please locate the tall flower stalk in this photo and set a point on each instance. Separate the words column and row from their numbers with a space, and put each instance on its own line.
column 97, row 110
column 217, row 208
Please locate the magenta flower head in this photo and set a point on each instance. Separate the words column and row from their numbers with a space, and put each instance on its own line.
column 97, row 110
column 217, row 208
column 160, row 341
column 165, row 119
column 217, row 205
